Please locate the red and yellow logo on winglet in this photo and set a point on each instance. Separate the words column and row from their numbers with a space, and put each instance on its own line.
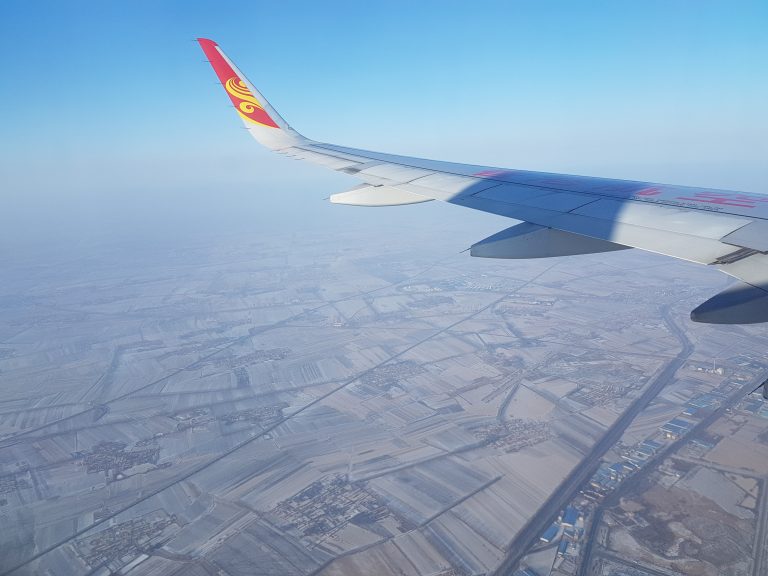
column 246, row 104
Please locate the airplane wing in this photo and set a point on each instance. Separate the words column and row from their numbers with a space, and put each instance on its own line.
column 561, row 214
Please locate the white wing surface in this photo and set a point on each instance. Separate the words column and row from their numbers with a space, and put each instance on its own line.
column 562, row 214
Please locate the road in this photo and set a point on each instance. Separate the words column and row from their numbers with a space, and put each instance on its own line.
column 568, row 489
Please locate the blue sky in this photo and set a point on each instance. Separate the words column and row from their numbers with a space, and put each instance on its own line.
column 113, row 122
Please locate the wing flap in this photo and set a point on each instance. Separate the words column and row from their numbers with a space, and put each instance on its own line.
column 528, row 240
column 754, row 235
column 377, row 196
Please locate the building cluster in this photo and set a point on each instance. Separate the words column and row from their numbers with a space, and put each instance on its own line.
column 11, row 483
column 385, row 377
column 707, row 368
column 200, row 418
column 197, row 418
column 600, row 379
column 113, row 458
column 637, row 455
column 755, row 404
column 123, row 540
column 610, row 474
column 430, row 302
column 599, row 393
column 451, row 572
column 607, row 477
column 567, row 533
column 677, row 428
column 704, row 404
column 263, row 415
column 194, row 414
column 696, row 409
column 255, row 357
column 242, row 378
column 195, row 347
column 525, row 300
column 514, row 434
column 421, row 288
column 327, row 505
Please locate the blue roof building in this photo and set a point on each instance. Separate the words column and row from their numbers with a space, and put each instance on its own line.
column 570, row 517
column 676, row 427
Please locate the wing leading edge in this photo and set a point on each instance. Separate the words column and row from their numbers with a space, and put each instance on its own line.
column 565, row 214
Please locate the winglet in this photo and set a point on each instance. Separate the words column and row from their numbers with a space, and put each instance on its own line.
column 259, row 117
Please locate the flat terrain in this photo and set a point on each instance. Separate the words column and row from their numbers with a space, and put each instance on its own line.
column 333, row 405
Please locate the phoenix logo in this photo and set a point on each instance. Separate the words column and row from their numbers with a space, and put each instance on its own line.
column 246, row 104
